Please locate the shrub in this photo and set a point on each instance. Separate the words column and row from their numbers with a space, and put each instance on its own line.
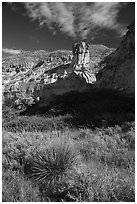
column 53, row 165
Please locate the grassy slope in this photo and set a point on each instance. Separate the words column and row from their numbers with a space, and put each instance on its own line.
column 99, row 126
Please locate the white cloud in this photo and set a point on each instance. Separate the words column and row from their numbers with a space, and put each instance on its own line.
column 76, row 19
column 11, row 51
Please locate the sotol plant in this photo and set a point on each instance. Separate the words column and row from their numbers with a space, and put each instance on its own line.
column 54, row 165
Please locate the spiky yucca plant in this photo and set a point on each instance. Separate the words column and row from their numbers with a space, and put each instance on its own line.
column 54, row 165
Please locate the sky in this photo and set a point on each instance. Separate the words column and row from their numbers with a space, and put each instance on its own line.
column 49, row 26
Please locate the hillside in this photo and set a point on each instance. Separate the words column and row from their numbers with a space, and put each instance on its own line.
column 25, row 72
column 29, row 59
column 118, row 69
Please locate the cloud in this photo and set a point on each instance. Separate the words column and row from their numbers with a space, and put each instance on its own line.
column 11, row 51
column 76, row 19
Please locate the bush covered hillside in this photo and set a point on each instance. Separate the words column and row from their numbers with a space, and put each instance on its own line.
column 79, row 149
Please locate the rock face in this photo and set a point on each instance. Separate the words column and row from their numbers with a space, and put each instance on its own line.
column 28, row 60
column 39, row 76
column 81, row 62
column 81, row 56
column 76, row 76
column 119, row 67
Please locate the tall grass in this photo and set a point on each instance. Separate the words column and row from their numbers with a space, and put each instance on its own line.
column 16, row 188
column 34, row 123
column 110, row 146
column 74, row 165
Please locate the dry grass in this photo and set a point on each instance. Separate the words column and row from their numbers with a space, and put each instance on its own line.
column 104, row 172
column 15, row 188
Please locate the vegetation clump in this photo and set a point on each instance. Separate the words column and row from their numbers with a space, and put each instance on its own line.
column 54, row 164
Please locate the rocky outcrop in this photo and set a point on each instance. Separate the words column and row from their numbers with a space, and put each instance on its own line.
column 81, row 62
column 76, row 76
column 31, row 77
column 118, row 69
column 29, row 60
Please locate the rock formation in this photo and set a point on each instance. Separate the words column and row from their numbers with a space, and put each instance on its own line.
column 119, row 67
column 81, row 56
column 81, row 62
column 40, row 76
column 76, row 76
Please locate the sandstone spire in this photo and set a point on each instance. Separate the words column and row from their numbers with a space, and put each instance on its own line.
column 81, row 57
column 81, row 62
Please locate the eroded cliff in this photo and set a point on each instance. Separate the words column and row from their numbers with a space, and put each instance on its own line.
column 118, row 69
column 39, row 76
